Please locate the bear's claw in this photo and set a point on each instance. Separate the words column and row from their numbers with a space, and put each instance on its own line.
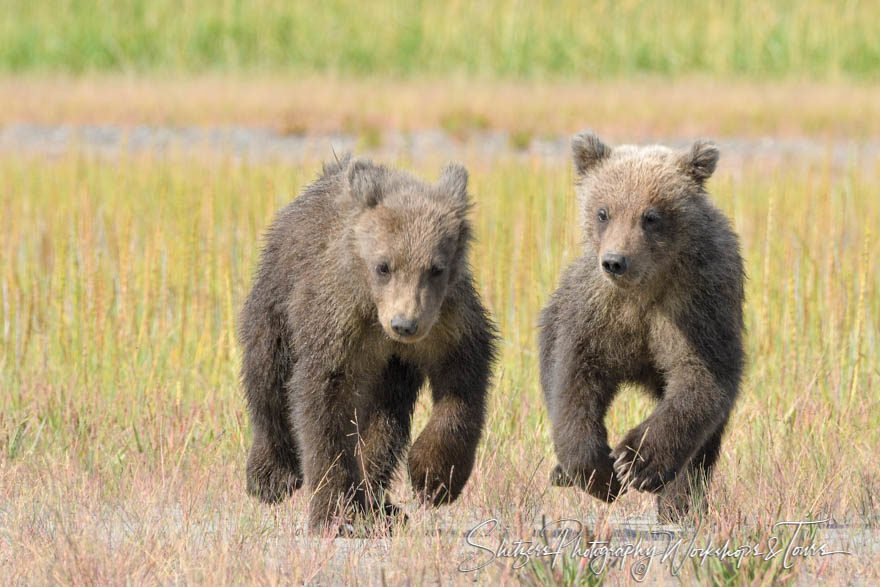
column 638, row 465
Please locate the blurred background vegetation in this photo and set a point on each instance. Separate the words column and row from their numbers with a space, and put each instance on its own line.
column 495, row 38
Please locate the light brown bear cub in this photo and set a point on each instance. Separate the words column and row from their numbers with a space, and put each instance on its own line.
column 655, row 299
column 363, row 292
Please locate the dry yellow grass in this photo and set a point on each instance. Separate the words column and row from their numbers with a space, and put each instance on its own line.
column 625, row 108
column 122, row 431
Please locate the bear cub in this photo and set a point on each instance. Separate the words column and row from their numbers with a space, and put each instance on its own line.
column 655, row 299
column 364, row 292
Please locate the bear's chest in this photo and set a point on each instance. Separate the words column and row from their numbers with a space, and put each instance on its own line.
column 618, row 340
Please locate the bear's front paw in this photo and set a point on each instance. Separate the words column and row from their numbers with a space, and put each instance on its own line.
column 372, row 519
column 268, row 478
column 391, row 516
column 432, row 481
column 641, row 462
column 599, row 481
column 559, row 478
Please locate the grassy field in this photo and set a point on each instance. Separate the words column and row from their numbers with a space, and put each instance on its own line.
column 122, row 428
column 496, row 38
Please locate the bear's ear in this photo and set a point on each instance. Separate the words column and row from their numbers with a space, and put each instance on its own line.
column 699, row 161
column 587, row 151
column 453, row 181
column 365, row 183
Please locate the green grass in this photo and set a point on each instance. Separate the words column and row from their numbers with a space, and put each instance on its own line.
column 122, row 427
column 497, row 38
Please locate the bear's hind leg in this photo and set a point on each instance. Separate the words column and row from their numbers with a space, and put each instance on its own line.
column 687, row 492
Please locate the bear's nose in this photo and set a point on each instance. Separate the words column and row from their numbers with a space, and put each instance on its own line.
column 614, row 264
column 404, row 326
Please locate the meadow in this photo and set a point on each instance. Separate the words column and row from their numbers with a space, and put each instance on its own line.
column 122, row 424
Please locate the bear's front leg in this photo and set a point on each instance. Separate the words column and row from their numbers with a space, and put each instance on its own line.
column 441, row 458
column 324, row 418
column 580, row 439
column 388, row 432
column 273, row 468
column 691, row 411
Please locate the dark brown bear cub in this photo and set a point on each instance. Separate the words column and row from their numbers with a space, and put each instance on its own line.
column 655, row 299
column 363, row 292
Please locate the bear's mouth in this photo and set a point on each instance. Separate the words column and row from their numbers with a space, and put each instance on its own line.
column 626, row 281
column 411, row 339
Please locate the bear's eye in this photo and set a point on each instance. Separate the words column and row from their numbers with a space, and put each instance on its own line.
column 603, row 215
column 650, row 219
column 436, row 270
column 383, row 270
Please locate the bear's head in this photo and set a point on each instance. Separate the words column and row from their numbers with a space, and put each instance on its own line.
column 410, row 239
column 639, row 204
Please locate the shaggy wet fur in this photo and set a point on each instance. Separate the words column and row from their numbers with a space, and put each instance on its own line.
column 363, row 293
column 665, row 311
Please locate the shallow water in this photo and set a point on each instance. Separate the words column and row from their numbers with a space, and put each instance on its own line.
column 252, row 143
